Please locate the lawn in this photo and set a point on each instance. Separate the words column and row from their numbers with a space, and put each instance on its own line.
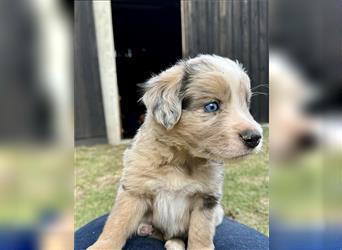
column 98, row 169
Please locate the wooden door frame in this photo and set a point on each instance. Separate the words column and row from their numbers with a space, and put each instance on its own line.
column 107, row 67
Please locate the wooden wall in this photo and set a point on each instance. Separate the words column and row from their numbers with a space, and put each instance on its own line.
column 237, row 29
column 89, row 115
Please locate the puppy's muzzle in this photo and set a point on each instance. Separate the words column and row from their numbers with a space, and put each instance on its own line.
column 251, row 138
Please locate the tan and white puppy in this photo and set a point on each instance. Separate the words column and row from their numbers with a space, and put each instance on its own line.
column 197, row 116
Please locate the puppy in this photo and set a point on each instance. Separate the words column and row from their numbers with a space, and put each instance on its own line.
column 197, row 116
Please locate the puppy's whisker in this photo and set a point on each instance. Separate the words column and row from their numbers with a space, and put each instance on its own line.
column 259, row 86
column 259, row 93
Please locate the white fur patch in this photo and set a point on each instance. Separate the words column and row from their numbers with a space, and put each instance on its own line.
column 171, row 213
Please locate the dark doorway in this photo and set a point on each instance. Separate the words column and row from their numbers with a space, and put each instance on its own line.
column 147, row 36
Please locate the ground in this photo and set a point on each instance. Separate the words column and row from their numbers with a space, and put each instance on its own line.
column 245, row 199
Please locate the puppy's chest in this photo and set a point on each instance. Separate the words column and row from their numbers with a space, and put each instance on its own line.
column 174, row 195
column 171, row 213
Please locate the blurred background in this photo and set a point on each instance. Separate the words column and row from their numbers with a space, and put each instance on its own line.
column 36, row 124
column 305, row 65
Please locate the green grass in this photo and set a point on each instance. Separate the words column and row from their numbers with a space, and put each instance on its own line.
column 98, row 170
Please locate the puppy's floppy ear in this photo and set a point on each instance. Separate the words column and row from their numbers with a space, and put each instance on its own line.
column 162, row 96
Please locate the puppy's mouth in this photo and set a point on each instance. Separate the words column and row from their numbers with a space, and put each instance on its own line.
column 242, row 155
column 246, row 152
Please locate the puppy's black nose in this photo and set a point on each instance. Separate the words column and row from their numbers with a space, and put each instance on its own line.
column 251, row 138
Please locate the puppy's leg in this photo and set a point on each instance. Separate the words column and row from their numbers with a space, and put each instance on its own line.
column 121, row 223
column 174, row 244
column 202, row 225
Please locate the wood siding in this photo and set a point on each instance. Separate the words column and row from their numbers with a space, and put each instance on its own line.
column 237, row 29
column 89, row 116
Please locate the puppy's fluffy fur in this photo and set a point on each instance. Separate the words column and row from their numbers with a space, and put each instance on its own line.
column 173, row 172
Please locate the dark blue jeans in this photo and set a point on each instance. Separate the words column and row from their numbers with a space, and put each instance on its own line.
column 230, row 235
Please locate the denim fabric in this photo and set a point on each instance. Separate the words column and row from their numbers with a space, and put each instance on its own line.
column 229, row 235
column 304, row 237
column 18, row 239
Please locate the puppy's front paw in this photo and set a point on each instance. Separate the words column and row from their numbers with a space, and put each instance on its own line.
column 174, row 244
column 145, row 229
column 102, row 245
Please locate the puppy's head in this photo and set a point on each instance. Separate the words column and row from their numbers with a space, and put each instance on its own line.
column 203, row 104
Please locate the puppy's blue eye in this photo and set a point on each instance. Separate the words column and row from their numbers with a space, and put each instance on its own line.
column 211, row 107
